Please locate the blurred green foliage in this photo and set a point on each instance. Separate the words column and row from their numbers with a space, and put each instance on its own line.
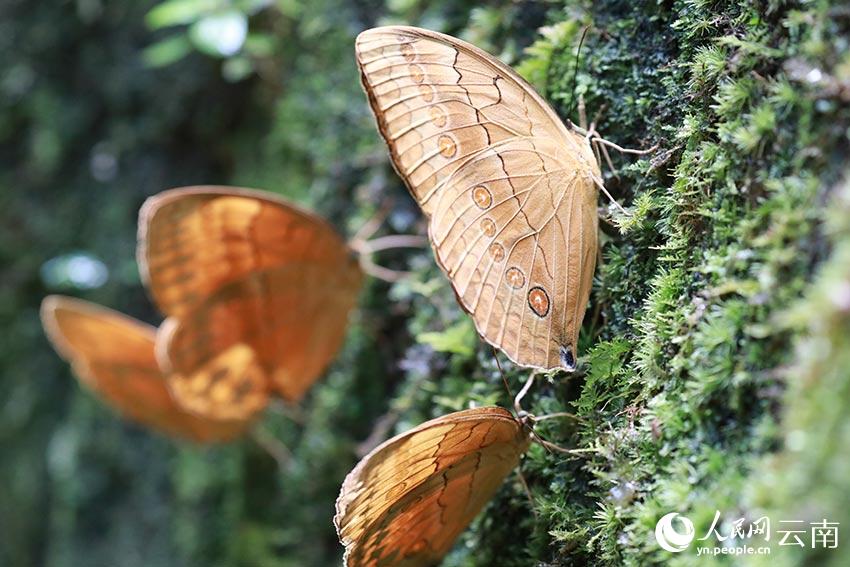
column 713, row 371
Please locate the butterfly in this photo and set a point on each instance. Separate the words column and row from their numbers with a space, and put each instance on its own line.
column 113, row 355
column 406, row 502
column 509, row 190
column 237, row 269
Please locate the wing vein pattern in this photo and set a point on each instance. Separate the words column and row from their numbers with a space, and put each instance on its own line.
column 493, row 169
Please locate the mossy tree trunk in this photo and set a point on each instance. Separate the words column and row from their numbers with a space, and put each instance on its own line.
column 715, row 370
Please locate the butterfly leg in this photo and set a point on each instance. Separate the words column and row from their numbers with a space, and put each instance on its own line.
column 594, row 138
column 601, row 144
column 597, row 139
column 523, row 391
column 384, row 424
column 591, row 129
column 557, row 415
column 552, row 447
column 602, row 188
column 368, row 265
column 271, row 445
column 604, row 150
column 371, row 226
column 291, row 411
column 393, row 241
column 596, row 152
column 548, row 445
column 366, row 248
column 600, row 150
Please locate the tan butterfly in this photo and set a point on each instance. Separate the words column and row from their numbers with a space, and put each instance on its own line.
column 240, row 269
column 407, row 501
column 510, row 191
column 113, row 355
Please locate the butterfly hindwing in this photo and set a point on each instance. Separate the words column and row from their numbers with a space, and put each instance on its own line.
column 293, row 317
column 113, row 355
column 521, row 256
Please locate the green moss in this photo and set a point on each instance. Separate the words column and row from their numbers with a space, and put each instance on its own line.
column 683, row 367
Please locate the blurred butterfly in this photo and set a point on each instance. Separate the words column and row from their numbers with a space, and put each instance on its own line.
column 510, row 191
column 240, row 269
column 407, row 501
column 113, row 355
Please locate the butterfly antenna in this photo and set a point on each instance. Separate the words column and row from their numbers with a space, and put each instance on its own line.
column 575, row 71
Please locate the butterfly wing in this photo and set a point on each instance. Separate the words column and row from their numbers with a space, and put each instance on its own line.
column 194, row 240
column 239, row 267
column 293, row 317
column 113, row 355
column 406, row 502
column 229, row 384
column 510, row 192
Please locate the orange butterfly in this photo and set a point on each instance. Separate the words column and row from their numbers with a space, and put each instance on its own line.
column 113, row 355
column 243, row 274
column 407, row 501
column 510, row 192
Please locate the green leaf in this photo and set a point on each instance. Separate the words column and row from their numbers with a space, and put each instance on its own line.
column 260, row 44
column 289, row 8
column 167, row 51
column 237, row 68
column 178, row 12
column 460, row 338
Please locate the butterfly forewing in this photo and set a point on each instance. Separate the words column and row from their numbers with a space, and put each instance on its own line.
column 439, row 100
column 407, row 501
column 194, row 240
column 113, row 355
column 510, row 192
